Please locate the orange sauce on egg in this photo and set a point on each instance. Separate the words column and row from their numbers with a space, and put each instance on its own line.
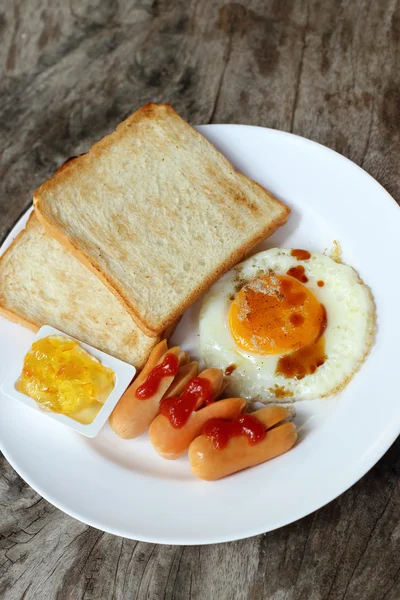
column 275, row 314
column 229, row 369
column 279, row 391
column 306, row 360
column 298, row 273
column 302, row 362
column 278, row 315
column 296, row 319
column 301, row 254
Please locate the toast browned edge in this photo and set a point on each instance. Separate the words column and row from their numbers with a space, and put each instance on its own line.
column 16, row 318
column 5, row 312
column 147, row 111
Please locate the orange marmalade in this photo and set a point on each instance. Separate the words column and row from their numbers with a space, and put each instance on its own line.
column 62, row 377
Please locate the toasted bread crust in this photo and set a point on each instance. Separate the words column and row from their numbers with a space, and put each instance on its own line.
column 15, row 240
column 8, row 314
column 155, row 113
column 16, row 318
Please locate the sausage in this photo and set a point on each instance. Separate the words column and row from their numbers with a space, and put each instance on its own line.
column 215, row 377
column 210, row 464
column 132, row 416
column 171, row 443
column 223, row 386
column 271, row 415
column 182, row 378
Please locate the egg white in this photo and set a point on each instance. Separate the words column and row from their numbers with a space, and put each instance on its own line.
column 348, row 336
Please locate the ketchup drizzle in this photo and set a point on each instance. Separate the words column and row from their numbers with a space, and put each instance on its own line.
column 220, row 431
column 168, row 368
column 178, row 410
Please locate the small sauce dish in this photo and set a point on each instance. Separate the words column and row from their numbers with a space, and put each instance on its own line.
column 124, row 373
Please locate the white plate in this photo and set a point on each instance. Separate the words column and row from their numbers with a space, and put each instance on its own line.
column 125, row 488
column 124, row 374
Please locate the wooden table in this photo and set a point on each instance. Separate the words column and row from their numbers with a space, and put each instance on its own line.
column 326, row 70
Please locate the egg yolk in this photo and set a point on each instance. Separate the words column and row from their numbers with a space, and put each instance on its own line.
column 275, row 314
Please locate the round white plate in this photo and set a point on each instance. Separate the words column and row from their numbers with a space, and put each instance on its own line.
column 123, row 487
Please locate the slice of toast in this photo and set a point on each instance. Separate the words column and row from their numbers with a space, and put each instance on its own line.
column 158, row 213
column 41, row 283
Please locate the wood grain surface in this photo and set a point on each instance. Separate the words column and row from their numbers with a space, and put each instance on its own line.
column 324, row 69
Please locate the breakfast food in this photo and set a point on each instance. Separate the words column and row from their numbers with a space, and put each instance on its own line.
column 182, row 378
column 287, row 325
column 182, row 410
column 172, row 442
column 157, row 213
column 41, row 283
column 63, row 378
column 122, row 241
column 139, row 405
column 182, row 417
column 226, row 447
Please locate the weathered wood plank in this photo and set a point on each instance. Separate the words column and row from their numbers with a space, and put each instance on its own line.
column 324, row 70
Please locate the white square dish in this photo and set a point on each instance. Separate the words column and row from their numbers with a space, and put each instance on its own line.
column 124, row 374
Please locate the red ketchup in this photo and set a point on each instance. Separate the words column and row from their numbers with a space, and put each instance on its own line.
column 220, row 431
column 178, row 410
column 168, row 368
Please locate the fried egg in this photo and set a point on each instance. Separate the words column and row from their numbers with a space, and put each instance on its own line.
column 287, row 325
